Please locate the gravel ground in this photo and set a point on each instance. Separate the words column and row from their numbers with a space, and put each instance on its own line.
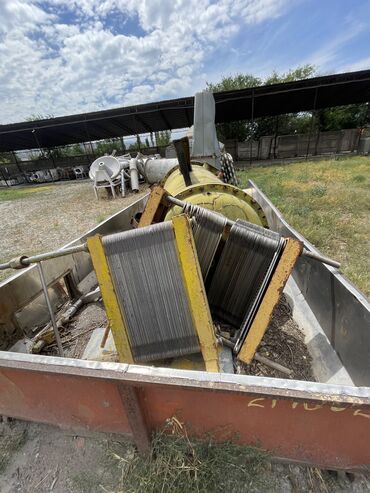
column 53, row 215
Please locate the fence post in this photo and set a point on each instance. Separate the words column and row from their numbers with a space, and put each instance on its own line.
column 317, row 141
column 276, row 134
column 6, row 182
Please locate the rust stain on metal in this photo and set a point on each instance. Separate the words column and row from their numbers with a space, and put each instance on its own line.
column 323, row 429
column 62, row 400
column 129, row 396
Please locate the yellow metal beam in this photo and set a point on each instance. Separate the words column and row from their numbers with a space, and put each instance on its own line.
column 114, row 314
column 291, row 252
column 155, row 208
column 196, row 292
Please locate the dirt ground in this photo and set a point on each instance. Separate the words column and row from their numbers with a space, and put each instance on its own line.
column 38, row 458
column 49, row 216
column 283, row 343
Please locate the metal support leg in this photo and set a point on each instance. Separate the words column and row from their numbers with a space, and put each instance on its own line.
column 112, row 188
column 123, row 184
column 50, row 308
column 135, row 417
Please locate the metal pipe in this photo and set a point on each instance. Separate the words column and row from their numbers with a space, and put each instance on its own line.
column 123, row 184
column 26, row 261
column 50, row 308
column 305, row 252
column 181, row 203
column 320, row 258
column 134, row 175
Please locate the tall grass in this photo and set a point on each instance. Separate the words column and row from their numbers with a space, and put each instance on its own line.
column 329, row 203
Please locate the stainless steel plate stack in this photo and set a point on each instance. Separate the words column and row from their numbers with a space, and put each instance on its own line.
column 242, row 275
column 208, row 228
column 149, row 286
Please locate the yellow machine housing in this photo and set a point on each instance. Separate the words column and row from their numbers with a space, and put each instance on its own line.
column 210, row 192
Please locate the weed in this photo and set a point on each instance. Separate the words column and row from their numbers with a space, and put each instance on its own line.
column 318, row 191
column 100, row 218
column 359, row 178
column 182, row 465
column 21, row 192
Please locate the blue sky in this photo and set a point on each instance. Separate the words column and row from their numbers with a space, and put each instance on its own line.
column 60, row 57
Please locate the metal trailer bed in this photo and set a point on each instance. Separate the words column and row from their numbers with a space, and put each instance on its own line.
column 323, row 424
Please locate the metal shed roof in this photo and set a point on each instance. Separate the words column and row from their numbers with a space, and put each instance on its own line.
column 243, row 104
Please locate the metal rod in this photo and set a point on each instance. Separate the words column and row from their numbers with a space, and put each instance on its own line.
column 50, row 308
column 181, row 203
column 272, row 364
column 46, row 256
column 320, row 258
column 305, row 252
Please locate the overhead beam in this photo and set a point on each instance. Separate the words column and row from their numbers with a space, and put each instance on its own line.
column 166, row 122
column 144, row 124
column 290, row 97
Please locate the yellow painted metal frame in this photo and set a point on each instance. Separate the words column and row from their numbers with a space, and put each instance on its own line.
column 194, row 287
column 116, row 319
column 196, row 292
column 291, row 252
column 155, row 208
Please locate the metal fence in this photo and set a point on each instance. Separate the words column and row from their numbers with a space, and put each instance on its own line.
column 19, row 168
column 299, row 145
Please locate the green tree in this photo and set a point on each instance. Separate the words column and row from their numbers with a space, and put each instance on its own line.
column 350, row 116
column 243, row 130
column 162, row 138
column 6, row 158
column 107, row 146
column 136, row 146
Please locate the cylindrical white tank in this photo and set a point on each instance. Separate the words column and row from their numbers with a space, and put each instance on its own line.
column 154, row 170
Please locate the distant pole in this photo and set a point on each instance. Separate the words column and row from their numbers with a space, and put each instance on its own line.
column 252, row 121
column 312, row 121
column 19, row 168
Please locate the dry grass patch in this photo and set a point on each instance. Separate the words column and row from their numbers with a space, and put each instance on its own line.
column 46, row 217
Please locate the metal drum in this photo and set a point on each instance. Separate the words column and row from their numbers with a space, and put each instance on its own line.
column 210, row 192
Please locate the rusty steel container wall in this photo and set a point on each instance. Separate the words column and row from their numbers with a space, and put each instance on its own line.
column 342, row 310
column 320, row 424
column 19, row 290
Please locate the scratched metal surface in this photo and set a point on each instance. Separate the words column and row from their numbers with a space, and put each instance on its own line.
column 341, row 309
column 274, row 413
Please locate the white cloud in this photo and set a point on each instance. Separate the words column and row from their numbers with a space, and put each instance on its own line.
column 362, row 64
column 327, row 56
column 64, row 56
